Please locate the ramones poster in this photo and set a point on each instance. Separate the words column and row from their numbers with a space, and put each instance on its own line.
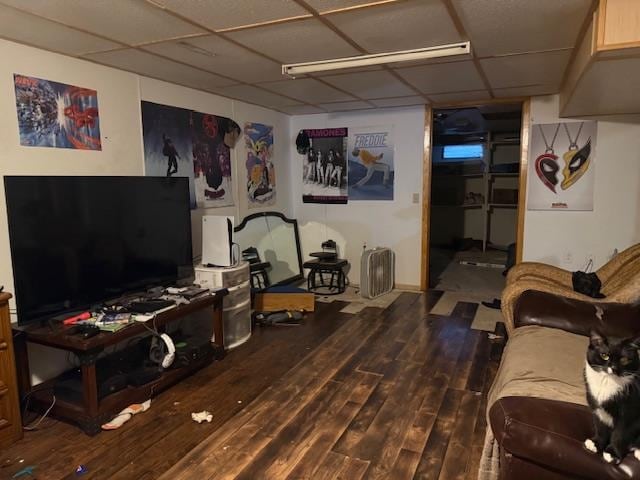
column 324, row 178
column 186, row 143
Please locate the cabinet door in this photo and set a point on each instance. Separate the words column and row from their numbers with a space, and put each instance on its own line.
column 10, row 422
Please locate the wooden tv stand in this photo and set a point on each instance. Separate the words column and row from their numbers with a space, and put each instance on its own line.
column 92, row 412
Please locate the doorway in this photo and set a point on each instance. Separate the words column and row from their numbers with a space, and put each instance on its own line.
column 473, row 204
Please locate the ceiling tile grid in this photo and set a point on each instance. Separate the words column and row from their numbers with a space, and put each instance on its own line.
column 399, row 101
column 345, row 106
column 48, row 35
column 499, row 27
column 146, row 64
column 479, row 95
column 300, row 41
column 215, row 54
column 308, row 90
column 257, row 95
column 398, row 26
column 234, row 13
column 129, row 21
column 366, row 85
column 443, row 77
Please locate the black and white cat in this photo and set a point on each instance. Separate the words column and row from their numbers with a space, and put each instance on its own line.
column 612, row 375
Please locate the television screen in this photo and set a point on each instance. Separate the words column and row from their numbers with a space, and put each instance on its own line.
column 474, row 150
column 77, row 241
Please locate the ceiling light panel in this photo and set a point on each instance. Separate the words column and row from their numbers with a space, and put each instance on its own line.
column 220, row 56
column 308, row 90
column 128, row 21
column 153, row 66
column 26, row 28
column 529, row 69
column 398, row 26
column 443, row 77
column 301, row 41
column 498, row 27
column 234, row 13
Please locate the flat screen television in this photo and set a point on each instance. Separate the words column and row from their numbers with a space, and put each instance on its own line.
column 79, row 241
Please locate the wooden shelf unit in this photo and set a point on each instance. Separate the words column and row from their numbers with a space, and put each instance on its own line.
column 92, row 412
column 10, row 419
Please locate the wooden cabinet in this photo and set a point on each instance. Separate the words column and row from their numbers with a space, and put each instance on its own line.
column 10, row 421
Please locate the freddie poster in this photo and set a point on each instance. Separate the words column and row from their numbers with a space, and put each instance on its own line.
column 52, row 114
column 324, row 178
column 261, row 179
column 371, row 171
column 186, row 143
column 561, row 166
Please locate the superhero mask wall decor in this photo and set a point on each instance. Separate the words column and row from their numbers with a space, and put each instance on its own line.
column 562, row 180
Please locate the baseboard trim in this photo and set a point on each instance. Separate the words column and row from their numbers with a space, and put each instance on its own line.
column 404, row 286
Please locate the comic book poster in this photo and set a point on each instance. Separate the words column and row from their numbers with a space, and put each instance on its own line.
column 52, row 114
column 211, row 161
column 371, row 171
column 561, row 166
column 261, row 179
column 185, row 143
column 324, row 175
column 167, row 143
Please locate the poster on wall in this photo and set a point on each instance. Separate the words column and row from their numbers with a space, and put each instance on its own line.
column 52, row 114
column 371, row 171
column 325, row 176
column 186, row 143
column 261, row 178
column 561, row 166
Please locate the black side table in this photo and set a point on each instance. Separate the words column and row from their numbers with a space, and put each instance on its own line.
column 316, row 281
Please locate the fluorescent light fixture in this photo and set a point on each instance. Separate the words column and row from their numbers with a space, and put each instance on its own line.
column 463, row 48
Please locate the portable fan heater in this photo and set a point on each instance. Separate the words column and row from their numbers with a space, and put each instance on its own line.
column 377, row 269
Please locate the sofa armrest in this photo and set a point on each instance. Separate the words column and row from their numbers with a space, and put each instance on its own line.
column 576, row 316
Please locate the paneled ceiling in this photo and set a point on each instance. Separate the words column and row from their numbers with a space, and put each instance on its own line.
column 235, row 48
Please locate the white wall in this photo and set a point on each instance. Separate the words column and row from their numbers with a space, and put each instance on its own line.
column 569, row 239
column 119, row 96
column 395, row 224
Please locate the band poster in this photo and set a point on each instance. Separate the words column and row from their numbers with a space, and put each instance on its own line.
column 261, row 178
column 561, row 166
column 186, row 143
column 371, row 171
column 325, row 176
column 52, row 114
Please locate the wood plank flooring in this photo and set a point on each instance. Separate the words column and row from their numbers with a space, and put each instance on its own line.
column 384, row 394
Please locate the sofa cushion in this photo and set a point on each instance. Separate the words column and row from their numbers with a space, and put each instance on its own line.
column 551, row 433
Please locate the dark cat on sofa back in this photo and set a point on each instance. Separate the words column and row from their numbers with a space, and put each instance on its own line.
column 612, row 375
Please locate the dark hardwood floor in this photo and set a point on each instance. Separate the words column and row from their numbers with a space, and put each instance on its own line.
column 394, row 393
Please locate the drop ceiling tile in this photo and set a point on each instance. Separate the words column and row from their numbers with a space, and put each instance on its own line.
column 301, row 110
column 529, row 91
column 32, row 30
column 220, row 56
column 324, row 6
column 345, row 106
column 398, row 26
column 251, row 94
column 370, row 84
column 523, row 25
column 307, row 90
column 444, row 77
column 302, row 41
column 399, row 101
column 234, row 13
column 460, row 96
column 127, row 21
column 527, row 69
column 153, row 66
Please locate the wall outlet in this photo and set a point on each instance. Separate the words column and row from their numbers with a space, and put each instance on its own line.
column 416, row 198
column 568, row 258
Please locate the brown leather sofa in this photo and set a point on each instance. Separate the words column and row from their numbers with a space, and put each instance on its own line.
column 542, row 439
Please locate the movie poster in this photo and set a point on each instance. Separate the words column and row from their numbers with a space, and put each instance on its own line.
column 261, row 179
column 561, row 166
column 167, row 143
column 52, row 114
column 325, row 167
column 185, row 143
column 371, row 170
